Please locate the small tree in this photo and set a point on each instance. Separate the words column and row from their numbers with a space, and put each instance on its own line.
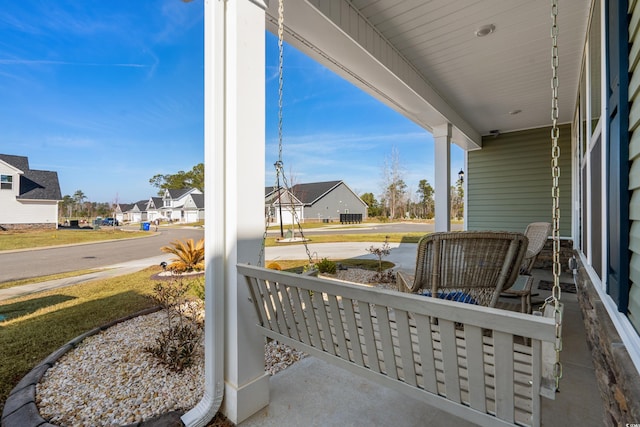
column 381, row 252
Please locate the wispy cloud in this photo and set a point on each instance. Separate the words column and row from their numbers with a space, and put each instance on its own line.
column 179, row 17
column 78, row 64
column 65, row 142
column 355, row 158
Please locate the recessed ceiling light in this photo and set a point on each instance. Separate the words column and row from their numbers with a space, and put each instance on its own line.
column 514, row 112
column 485, row 30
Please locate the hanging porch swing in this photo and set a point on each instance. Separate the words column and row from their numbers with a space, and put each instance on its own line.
column 485, row 365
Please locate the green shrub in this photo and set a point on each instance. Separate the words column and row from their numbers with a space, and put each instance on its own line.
column 197, row 287
column 177, row 345
column 326, row 266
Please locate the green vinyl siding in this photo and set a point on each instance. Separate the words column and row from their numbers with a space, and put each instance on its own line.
column 509, row 181
column 634, row 158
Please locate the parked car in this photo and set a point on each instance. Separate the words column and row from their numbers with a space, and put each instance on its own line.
column 110, row 221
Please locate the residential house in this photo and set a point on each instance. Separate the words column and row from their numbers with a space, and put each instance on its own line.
column 184, row 205
column 121, row 210
column 485, row 76
column 154, row 209
column 173, row 202
column 193, row 208
column 136, row 212
column 28, row 197
column 315, row 201
column 282, row 203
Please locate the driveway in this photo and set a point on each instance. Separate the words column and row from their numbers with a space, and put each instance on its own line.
column 403, row 255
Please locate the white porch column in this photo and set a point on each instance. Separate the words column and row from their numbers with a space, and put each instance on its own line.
column 442, row 184
column 234, row 181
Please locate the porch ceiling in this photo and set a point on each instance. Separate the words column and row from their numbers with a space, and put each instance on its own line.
column 423, row 58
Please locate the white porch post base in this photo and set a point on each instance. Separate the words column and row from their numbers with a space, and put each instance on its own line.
column 442, row 145
column 240, row 402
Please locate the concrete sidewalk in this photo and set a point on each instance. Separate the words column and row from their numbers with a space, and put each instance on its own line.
column 403, row 255
column 106, row 272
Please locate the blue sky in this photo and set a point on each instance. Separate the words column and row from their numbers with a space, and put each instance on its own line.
column 108, row 94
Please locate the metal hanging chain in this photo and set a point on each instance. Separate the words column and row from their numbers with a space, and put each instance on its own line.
column 555, row 172
column 280, row 79
column 279, row 164
column 266, row 220
column 297, row 220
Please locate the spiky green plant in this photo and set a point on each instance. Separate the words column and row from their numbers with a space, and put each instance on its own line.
column 189, row 255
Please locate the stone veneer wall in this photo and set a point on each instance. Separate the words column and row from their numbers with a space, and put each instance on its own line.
column 41, row 226
column 618, row 379
column 545, row 259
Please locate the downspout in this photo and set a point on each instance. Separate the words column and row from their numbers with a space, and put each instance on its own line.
column 215, row 247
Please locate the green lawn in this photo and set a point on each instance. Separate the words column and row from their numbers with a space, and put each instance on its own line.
column 38, row 324
column 12, row 283
column 11, row 240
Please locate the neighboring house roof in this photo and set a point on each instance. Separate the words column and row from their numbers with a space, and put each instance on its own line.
column 40, row 185
column 307, row 194
column 310, row 193
column 125, row 207
column 34, row 184
column 272, row 196
column 140, row 205
column 155, row 203
column 19, row 162
column 177, row 193
column 198, row 199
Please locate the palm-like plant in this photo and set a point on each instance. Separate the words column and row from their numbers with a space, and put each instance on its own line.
column 189, row 255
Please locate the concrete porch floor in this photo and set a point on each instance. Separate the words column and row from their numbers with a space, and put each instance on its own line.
column 315, row 393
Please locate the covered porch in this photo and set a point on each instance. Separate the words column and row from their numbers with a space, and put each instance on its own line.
column 477, row 76
column 314, row 393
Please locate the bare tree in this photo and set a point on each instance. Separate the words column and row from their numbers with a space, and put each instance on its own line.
column 393, row 185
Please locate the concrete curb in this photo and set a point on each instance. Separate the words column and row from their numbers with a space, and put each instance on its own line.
column 20, row 409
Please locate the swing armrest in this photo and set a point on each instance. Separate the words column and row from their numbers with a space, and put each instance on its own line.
column 404, row 282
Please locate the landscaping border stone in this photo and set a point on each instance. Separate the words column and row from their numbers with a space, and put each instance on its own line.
column 20, row 409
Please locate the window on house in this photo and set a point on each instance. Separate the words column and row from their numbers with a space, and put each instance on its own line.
column 6, row 182
column 594, row 66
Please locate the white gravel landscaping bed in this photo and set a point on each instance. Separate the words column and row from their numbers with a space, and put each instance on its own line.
column 110, row 380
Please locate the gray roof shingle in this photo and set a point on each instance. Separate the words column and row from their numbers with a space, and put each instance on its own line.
column 34, row 184
column 198, row 199
column 19, row 162
column 179, row 192
column 309, row 193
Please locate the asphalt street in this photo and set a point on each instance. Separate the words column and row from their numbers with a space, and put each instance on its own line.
column 16, row 265
column 127, row 256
